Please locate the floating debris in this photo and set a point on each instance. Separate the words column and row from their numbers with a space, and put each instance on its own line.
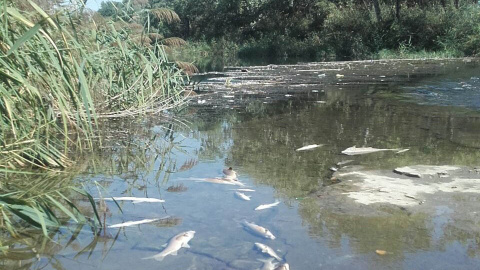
column 333, row 169
column 380, row 252
column 339, row 76
column 177, row 188
column 168, row 222
column 402, row 151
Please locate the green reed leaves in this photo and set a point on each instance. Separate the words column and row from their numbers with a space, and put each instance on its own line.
column 58, row 75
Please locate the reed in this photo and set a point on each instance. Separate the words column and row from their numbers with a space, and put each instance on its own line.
column 59, row 74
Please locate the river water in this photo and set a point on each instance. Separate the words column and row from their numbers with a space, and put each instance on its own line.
column 253, row 119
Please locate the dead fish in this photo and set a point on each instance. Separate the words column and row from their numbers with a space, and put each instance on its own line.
column 267, row 264
column 266, row 206
column 282, row 266
column 268, row 250
column 230, row 173
column 133, row 223
column 341, row 163
column 222, row 181
column 364, row 150
column 242, row 196
column 309, row 147
column 135, row 199
column 177, row 242
column 244, row 189
column 258, row 230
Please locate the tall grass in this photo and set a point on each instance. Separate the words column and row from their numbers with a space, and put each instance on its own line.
column 59, row 75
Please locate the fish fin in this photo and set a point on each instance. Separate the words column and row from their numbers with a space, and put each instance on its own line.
column 158, row 257
column 186, row 245
column 164, row 245
column 175, row 253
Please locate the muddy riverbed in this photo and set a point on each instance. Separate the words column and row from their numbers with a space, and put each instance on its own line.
column 415, row 209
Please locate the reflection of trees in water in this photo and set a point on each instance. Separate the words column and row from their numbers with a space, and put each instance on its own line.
column 265, row 147
column 391, row 229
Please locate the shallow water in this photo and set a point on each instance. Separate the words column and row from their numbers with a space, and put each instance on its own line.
column 257, row 135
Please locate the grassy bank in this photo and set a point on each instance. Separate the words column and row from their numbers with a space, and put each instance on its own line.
column 60, row 74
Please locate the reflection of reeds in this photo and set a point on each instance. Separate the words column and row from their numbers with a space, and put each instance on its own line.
column 188, row 164
column 168, row 222
column 177, row 188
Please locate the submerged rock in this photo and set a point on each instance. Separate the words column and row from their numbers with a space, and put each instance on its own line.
column 423, row 170
column 386, row 187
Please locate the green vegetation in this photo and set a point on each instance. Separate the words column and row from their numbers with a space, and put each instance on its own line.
column 60, row 75
column 325, row 29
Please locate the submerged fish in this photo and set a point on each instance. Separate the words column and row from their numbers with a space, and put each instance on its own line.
column 268, row 250
column 364, row 150
column 132, row 223
column 282, row 266
column 266, row 206
column 242, row 196
column 135, row 199
column 258, row 230
column 267, row 264
column 230, row 173
column 308, row 147
column 177, row 242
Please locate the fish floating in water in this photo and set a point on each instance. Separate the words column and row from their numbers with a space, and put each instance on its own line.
column 177, row 242
column 242, row 196
column 230, row 173
column 267, row 264
column 132, row 223
column 135, row 199
column 266, row 206
column 309, row 147
column 282, row 266
column 268, row 250
column 222, row 181
column 244, row 189
column 352, row 151
column 258, row 230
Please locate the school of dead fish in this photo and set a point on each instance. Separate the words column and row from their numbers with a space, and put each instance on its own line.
column 230, row 178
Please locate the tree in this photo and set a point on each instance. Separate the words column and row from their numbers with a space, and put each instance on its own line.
column 378, row 12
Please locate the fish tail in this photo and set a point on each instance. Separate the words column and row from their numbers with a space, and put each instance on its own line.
column 158, row 257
